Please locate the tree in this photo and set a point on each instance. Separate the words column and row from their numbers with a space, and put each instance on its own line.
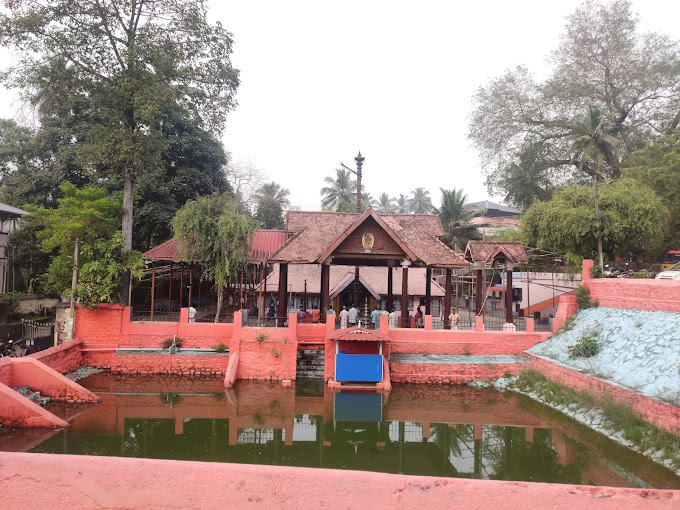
column 340, row 193
column 455, row 218
column 212, row 233
column 384, row 204
column 633, row 220
column 420, row 202
column 402, row 205
column 523, row 129
column 128, row 59
column 92, row 218
column 270, row 199
column 245, row 180
column 658, row 166
column 594, row 145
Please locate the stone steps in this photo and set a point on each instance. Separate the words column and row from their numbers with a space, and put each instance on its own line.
column 33, row 396
column 310, row 363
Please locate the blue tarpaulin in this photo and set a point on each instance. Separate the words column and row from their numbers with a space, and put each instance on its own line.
column 358, row 367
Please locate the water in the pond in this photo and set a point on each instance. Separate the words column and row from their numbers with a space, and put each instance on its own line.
column 416, row 429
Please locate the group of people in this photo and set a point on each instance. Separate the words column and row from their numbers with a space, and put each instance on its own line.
column 348, row 318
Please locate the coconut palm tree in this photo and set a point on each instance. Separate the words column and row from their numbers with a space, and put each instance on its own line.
column 420, row 201
column 366, row 200
column 592, row 147
column 455, row 218
column 402, row 206
column 384, row 204
column 273, row 191
column 340, row 194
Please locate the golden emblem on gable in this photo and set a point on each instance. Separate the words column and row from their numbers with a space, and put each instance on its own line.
column 367, row 241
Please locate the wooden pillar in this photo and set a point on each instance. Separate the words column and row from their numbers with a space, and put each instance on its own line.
column 356, row 288
column 170, row 293
column 428, row 290
column 153, row 286
column 479, row 291
column 191, row 283
column 404, row 296
column 390, row 292
column 198, row 304
column 508, row 296
column 181, row 282
column 240, row 290
column 325, row 290
column 260, row 308
column 447, row 298
column 283, row 294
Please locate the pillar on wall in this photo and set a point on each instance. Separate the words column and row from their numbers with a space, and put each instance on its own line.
column 447, row 298
column 390, row 291
column 508, row 295
column 404, row 292
column 428, row 291
column 479, row 291
column 283, row 295
column 325, row 290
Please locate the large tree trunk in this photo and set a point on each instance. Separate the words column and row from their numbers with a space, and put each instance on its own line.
column 128, row 185
column 597, row 220
column 220, row 296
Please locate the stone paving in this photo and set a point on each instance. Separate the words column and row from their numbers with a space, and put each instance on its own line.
column 639, row 350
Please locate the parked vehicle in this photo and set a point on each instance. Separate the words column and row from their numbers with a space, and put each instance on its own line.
column 671, row 258
column 671, row 274
column 6, row 349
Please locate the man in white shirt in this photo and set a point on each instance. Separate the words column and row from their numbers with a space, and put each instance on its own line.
column 392, row 319
column 192, row 313
column 353, row 313
column 344, row 316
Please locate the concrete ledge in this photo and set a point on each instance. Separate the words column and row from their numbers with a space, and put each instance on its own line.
column 85, row 482
column 18, row 411
column 38, row 376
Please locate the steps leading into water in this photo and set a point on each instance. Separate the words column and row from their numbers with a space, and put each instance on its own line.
column 310, row 363
column 32, row 395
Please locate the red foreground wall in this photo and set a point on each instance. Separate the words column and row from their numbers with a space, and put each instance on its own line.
column 664, row 416
column 82, row 482
column 440, row 373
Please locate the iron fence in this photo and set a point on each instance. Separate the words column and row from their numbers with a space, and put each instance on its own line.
column 156, row 315
column 37, row 336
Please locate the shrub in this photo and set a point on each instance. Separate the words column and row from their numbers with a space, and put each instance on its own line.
column 568, row 324
column 261, row 338
column 168, row 342
column 586, row 347
column 583, row 297
column 643, row 273
column 596, row 271
column 220, row 347
column 11, row 300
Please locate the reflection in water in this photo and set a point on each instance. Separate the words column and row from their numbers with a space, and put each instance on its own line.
column 419, row 430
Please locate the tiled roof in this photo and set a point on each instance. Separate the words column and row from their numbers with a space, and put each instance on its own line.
column 486, row 251
column 7, row 211
column 358, row 335
column 264, row 243
column 316, row 233
column 341, row 276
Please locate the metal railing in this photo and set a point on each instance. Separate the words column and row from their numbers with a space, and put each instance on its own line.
column 159, row 315
column 37, row 336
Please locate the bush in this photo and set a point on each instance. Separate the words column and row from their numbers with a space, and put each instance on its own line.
column 583, row 297
column 11, row 302
column 643, row 273
column 168, row 342
column 596, row 271
column 586, row 347
column 220, row 347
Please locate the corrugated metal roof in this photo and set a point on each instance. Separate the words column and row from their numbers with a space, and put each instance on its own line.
column 264, row 243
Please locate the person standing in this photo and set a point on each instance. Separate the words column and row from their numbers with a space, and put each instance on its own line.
column 344, row 317
column 301, row 315
column 353, row 313
column 392, row 319
column 315, row 314
column 375, row 317
column 454, row 319
column 419, row 318
column 192, row 313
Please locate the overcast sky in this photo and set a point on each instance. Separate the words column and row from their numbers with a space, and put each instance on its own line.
column 322, row 80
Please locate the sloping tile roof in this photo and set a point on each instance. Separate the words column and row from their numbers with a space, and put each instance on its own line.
column 486, row 251
column 7, row 211
column 491, row 208
column 264, row 243
column 341, row 276
column 316, row 232
column 358, row 335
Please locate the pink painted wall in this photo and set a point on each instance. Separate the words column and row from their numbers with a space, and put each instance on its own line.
column 637, row 294
column 18, row 411
column 82, row 482
column 270, row 359
column 6, row 371
column 30, row 372
column 63, row 358
column 463, row 342
column 664, row 416
column 431, row 373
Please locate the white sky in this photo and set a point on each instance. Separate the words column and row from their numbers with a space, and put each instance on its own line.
column 322, row 80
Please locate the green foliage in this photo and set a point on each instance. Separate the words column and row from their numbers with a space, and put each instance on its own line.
column 168, row 342
column 586, row 347
column 270, row 200
column 455, row 218
column 643, row 273
column 261, row 338
column 90, row 216
column 632, row 219
column 384, row 204
column 420, row 202
column 220, row 347
column 524, row 128
column 596, row 271
column 11, row 303
column 339, row 194
column 583, row 297
column 568, row 324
